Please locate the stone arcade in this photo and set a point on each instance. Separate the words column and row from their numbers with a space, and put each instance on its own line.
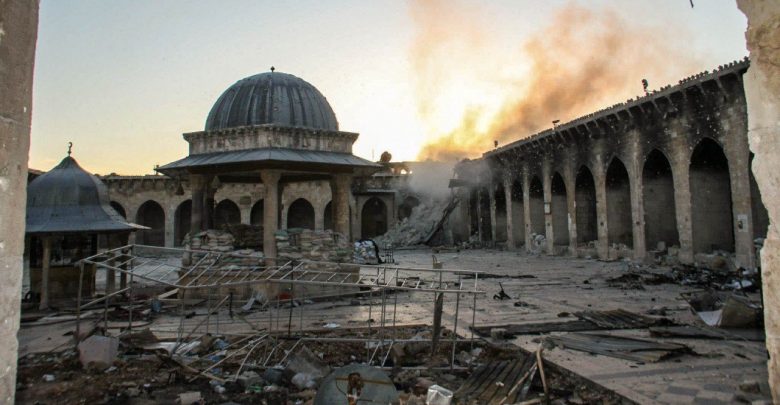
column 667, row 171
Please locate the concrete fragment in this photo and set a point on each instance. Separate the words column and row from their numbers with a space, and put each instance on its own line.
column 190, row 398
column 750, row 386
column 98, row 351
column 498, row 333
column 249, row 378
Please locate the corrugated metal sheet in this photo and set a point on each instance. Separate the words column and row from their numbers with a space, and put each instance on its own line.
column 267, row 155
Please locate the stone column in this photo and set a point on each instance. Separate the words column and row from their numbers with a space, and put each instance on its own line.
column 635, row 165
column 527, row 209
column 341, row 194
column 600, row 179
column 45, row 266
column 197, row 185
column 170, row 220
column 510, row 234
column 682, row 195
column 738, row 155
column 209, row 203
column 246, row 213
column 548, row 218
column 762, row 89
column 270, row 213
column 569, row 177
column 493, row 220
column 19, row 20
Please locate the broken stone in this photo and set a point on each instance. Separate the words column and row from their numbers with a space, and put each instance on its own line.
column 250, row 378
column 304, row 381
column 190, row 398
column 750, row 386
column 98, row 351
column 498, row 333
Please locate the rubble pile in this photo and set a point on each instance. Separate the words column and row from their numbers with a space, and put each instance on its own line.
column 414, row 229
column 145, row 369
column 305, row 244
column 365, row 252
column 716, row 275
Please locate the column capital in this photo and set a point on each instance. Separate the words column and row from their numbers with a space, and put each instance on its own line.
column 270, row 176
column 342, row 179
column 197, row 181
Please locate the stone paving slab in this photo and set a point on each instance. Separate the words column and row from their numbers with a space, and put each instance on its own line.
column 563, row 284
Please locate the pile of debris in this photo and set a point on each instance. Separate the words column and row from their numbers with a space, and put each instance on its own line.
column 305, row 244
column 366, row 252
column 414, row 229
column 718, row 276
column 140, row 368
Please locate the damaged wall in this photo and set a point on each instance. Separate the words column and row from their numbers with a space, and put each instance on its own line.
column 18, row 34
column 762, row 90
column 672, row 167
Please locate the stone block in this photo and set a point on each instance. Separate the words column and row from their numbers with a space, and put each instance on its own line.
column 98, row 351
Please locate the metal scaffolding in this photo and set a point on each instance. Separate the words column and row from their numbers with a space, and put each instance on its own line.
column 214, row 271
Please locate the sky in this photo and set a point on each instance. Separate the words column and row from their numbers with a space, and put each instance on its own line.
column 123, row 80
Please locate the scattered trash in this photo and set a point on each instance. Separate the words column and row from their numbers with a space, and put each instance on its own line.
column 48, row 377
column 438, row 395
column 304, row 380
column 331, row 325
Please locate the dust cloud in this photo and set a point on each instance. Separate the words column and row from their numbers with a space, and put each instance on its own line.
column 580, row 62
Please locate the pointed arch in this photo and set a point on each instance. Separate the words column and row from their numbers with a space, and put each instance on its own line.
column 660, row 215
column 711, row 213
column 559, row 210
column 585, row 203
column 619, row 222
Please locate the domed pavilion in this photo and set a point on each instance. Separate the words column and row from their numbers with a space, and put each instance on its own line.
column 273, row 128
column 68, row 209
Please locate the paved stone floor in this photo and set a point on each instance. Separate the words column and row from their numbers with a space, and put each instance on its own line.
column 712, row 377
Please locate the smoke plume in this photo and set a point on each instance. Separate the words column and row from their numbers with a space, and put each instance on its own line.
column 582, row 61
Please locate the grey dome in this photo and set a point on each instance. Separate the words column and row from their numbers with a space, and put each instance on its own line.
column 272, row 98
column 68, row 199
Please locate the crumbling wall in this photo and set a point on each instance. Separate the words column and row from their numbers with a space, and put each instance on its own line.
column 762, row 89
column 18, row 33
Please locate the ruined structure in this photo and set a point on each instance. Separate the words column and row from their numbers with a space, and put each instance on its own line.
column 669, row 171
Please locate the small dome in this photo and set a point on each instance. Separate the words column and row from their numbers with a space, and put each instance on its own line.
column 272, row 98
column 68, row 199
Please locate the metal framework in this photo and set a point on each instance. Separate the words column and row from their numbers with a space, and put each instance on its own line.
column 211, row 271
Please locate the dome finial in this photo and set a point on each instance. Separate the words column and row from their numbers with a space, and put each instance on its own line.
column 272, row 68
column 70, row 146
